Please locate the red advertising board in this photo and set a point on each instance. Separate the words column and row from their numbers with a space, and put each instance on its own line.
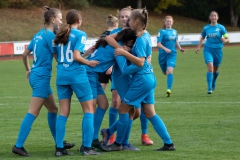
column 6, row 49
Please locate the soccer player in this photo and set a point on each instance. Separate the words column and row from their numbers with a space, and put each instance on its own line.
column 167, row 41
column 216, row 35
column 113, row 111
column 105, row 55
column 39, row 79
column 112, row 23
column 71, row 76
column 143, row 82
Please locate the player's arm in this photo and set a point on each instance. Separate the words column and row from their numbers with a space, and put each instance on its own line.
column 225, row 38
column 138, row 61
column 26, row 62
column 125, row 69
column 179, row 47
column 77, row 57
column 159, row 45
column 200, row 44
column 89, row 51
column 111, row 41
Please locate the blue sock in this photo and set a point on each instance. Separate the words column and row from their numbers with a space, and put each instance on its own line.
column 161, row 129
column 60, row 130
column 113, row 128
column 209, row 80
column 144, row 122
column 170, row 79
column 113, row 113
column 52, row 120
column 87, row 129
column 128, row 131
column 25, row 128
column 215, row 75
column 98, row 118
column 122, row 127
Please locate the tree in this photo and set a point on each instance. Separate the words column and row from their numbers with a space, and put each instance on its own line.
column 139, row 4
column 164, row 4
column 234, row 11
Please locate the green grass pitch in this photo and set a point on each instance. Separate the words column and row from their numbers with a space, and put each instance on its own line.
column 201, row 126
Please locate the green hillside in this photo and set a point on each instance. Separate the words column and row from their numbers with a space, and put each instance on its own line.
column 19, row 24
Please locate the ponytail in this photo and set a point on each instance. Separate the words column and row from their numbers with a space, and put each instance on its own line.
column 62, row 36
column 145, row 19
column 72, row 17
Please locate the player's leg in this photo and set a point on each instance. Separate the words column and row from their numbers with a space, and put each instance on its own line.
column 159, row 127
column 84, row 94
column 144, row 127
column 113, row 109
column 216, row 64
column 209, row 61
column 40, row 88
column 52, row 113
column 64, row 96
column 98, row 118
column 171, row 63
column 87, row 127
column 25, row 128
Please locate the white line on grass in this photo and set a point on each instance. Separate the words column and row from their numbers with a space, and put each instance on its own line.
column 14, row 103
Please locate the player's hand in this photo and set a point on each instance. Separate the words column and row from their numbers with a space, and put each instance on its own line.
column 167, row 50
column 197, row 50
column 27, row 75
column 127, row 48
column 93, row 63
column 183, row 50
column 120, row 52
column 89, row 51
column 109, row 71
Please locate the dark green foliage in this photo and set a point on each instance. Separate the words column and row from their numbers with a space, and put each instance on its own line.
column 3, row 3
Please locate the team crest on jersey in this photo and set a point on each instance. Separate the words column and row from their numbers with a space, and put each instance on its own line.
column 174, row 32
column 53, row 44
column 83, row 41
column 217, row 29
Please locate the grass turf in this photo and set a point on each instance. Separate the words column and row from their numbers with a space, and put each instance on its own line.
column 201, row 126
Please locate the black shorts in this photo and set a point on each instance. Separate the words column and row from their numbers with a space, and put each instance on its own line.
column 104, row 78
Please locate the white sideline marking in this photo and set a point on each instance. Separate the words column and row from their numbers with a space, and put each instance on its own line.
column 13, row 104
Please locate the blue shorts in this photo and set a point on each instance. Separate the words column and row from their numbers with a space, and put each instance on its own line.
column 167, row 60
column 96, row 87
column 40, row 85
column 141, row 90
column 82, row 91
column 213, row 55
column 122, row 84
column 112, row 84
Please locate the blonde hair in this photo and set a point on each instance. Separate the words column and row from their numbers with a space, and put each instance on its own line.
column 111, row 20
column 128, row 8
column 163, row 23
column 142, row 15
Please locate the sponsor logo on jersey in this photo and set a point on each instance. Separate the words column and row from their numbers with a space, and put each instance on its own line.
column 84, row 39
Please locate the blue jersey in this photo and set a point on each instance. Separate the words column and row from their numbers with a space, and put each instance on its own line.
column 168, row 38
column 105, row 55
column 116, row 30
column 143, row 48
column 43, row 48
column 213, row 35
column 76, row 41
column 68, row 69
